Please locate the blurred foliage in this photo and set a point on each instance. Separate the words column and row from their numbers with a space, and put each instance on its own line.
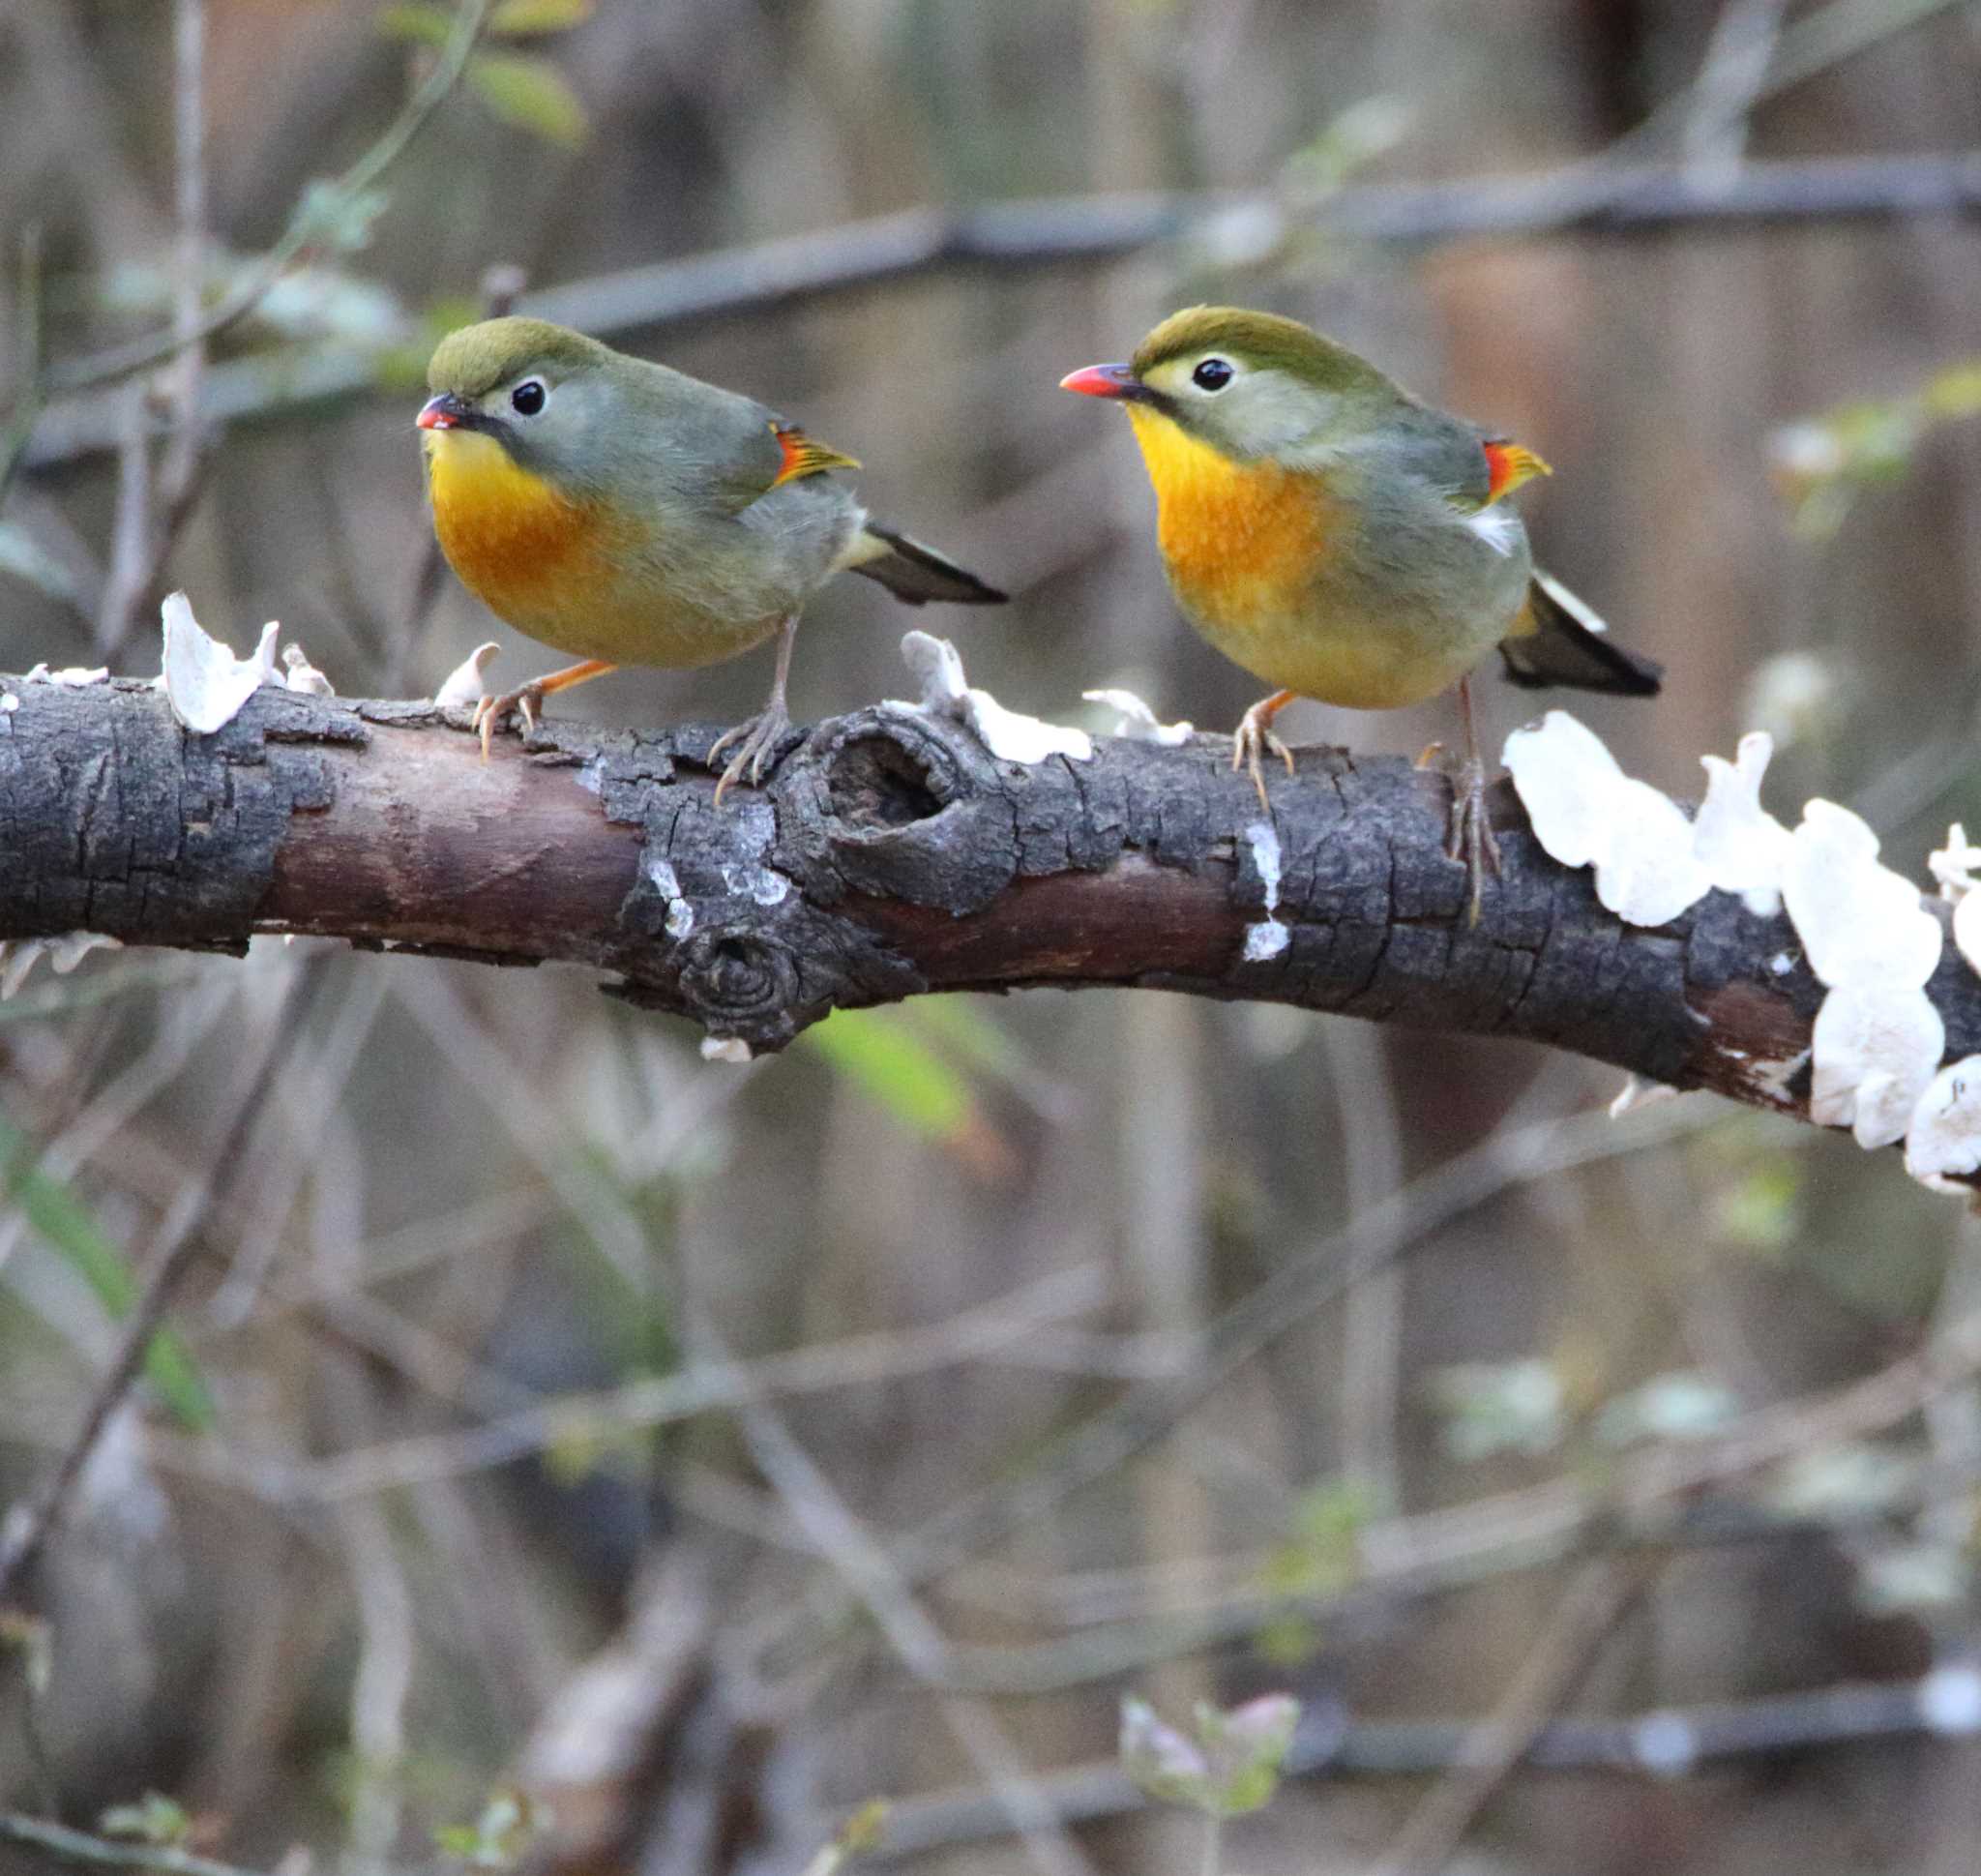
column 524, row 90
column 1823, row 463
column 1228, row 1763
column 66, row 1224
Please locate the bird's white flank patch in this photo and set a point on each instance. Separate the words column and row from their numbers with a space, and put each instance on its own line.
column 1009, row 736
column 1498, row 527
column 203, row 681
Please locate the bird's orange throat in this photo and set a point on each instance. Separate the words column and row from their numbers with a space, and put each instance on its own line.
column 512, row 537
column 1242, row 541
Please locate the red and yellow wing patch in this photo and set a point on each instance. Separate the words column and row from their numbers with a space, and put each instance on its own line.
column 803, row 457
column 1507, row 466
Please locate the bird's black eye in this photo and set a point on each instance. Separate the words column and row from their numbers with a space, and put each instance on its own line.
column 527, row 398
column 1212, row 374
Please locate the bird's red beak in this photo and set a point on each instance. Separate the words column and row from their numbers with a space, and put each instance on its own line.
column 444, row 412
column 1103, row 382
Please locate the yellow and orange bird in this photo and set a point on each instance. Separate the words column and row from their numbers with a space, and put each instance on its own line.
column 1341, row 540
column 627, row 514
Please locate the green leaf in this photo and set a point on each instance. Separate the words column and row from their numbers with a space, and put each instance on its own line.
column 531, row 94
column 892, row 1066
column 154, row 1819
column 71, row 1231
column 426, row 25
column 337, row 219
column 520, row 18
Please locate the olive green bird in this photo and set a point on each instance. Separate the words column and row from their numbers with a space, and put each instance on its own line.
column 1343, row 540
column 627, row 514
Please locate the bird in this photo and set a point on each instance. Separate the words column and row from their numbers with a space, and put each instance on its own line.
column 627, row 514
column 1343, row 540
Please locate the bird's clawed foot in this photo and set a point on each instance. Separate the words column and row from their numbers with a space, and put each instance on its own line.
column 1254, row 738
column 491, row 711
column 756, row 741
column 1471, row 839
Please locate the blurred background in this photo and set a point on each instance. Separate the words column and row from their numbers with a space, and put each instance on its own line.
column 703, row 1450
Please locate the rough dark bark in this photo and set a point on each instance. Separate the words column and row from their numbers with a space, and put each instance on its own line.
column 890, row 855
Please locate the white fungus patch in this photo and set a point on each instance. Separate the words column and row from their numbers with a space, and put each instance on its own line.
column 1944, row 1138
column 72, row 677
column 725, row 1048
column 1138, row 723
column 1857, row 919
column 1008, row 736
column 1636, row 1092
column 679, row 919
column 203, row 681
column 1268, row 936
column 1874, row 1049
column 20, row 956
column 1877, row 1042
column 1742, row 847
column 299, row 675
column 1586, row 812
column 759, row 884
column 467, row 683
column 1953, row 866
column 1878, row 1039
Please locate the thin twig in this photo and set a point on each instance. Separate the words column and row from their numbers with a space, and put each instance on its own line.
column 103, row 1853
column 1309, row 1280
column 27, row 362
column 863, row 1562
column 1595, row 1603
column 28, row 1527
column 305, row 226
column 1059, row 231
column 1662, row 1742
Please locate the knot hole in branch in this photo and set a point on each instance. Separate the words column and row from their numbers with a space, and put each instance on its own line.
column 874, row 782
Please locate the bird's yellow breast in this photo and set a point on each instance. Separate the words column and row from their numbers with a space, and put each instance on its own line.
column 520, row 544
column 1243, row 542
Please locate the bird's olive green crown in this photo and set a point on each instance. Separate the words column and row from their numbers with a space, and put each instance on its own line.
column 477, row 358
column 1262, row 339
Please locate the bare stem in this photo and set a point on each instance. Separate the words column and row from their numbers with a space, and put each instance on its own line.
column 305, row 223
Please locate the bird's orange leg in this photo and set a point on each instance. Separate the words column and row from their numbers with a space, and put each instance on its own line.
column 1254, row 736
column 1470, row 837
column 758, row 737
column 528, row 698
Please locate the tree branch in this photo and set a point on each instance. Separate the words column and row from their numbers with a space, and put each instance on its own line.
column 1589, row 199
column 890, row 856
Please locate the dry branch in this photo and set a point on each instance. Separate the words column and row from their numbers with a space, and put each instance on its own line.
column 890, row 856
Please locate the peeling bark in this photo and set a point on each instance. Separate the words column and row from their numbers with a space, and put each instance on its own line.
column 889, row 855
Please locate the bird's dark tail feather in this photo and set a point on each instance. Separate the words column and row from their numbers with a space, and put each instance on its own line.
column 914, row 573
column 1567, row 645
